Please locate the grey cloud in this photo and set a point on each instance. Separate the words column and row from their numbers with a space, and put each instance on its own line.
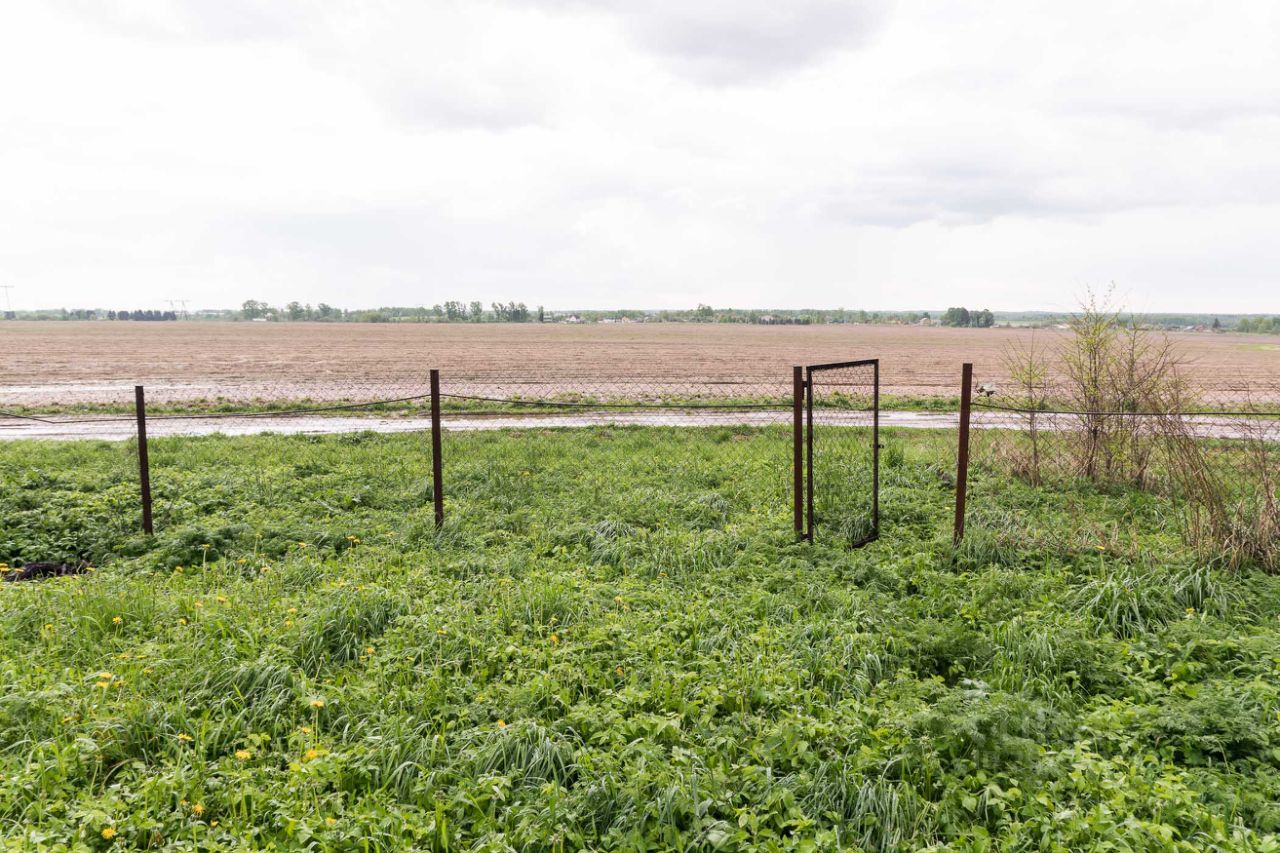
column 726, row 42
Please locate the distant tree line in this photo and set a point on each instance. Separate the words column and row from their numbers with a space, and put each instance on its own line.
column 474, row 311
column 983, row 319
column 147, row 314
column 1265, row 325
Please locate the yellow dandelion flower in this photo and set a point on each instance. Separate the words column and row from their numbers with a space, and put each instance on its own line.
column 184, row 737
column 221, row 599
column 197, row 604
column 555, row 639
column 213, row 824
column 617, row 599
column 330, row 821
column 369, row 650
column 182, row 620
column 103, row 684
column 205, row 547
column 306, row 730
column 311, row 754
column 117, row 620
column 502, row 724
column 241, row 561
column 265, row 570
column 48, row 626
column 317, row 703
column 441, row 631
column 288, row 623
column 197, row 810
column 104, row 674
column 243, row 754
column 620, row 670
column 293, row 610
column 109, row 833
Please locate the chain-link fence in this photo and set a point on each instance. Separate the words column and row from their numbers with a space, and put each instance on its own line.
column 843, row 451
column 646, row 454
column 1221, row 463
column 663, row 451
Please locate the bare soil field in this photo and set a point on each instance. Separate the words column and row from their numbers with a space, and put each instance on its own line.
column 70, row 362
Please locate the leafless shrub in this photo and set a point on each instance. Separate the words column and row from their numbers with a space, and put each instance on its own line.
column 1124, row 415
column 1118, row 376
column 1030, row 374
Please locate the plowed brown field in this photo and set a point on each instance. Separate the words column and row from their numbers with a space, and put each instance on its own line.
column 71, row 361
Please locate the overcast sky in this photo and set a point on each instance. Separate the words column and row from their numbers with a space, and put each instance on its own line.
column 641, row 153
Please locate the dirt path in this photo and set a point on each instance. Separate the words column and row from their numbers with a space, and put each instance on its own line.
column 123, row 428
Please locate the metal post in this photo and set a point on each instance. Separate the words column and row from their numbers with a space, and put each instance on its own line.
column 797, row 445
column 144, row 464
column 437, row 480
column 808, row 398
column 875, row 453
column 962, row 456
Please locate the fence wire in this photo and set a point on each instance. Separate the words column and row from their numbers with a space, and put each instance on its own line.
column 842, row 453
column 1222, row 465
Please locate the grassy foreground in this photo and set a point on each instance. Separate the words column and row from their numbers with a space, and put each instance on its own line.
column 614, row 644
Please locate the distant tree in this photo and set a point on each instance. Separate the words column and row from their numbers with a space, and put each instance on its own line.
column 704, row 313
column 477, row 312
column 252, row 309
column 1217, row 325
column 542, row 314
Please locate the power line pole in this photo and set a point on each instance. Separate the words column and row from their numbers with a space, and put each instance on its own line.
column 8, row 300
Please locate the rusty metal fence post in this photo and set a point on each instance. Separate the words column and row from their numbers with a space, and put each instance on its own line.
column 437, row 479
column 797, row 446
column 962, row 454
column 144, row 464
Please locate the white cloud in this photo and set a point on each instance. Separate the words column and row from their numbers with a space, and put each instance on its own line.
column 589, row 154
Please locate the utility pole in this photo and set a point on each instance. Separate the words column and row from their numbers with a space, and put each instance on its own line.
column 8, row 300
column 178, row 307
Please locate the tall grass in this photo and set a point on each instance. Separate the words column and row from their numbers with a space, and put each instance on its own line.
column 615, row 643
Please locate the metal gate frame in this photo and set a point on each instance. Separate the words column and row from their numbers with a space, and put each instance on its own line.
column 874, row 363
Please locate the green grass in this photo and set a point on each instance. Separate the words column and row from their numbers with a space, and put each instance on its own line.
column 615, row 643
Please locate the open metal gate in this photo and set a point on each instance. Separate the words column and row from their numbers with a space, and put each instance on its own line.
column 842, row 451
